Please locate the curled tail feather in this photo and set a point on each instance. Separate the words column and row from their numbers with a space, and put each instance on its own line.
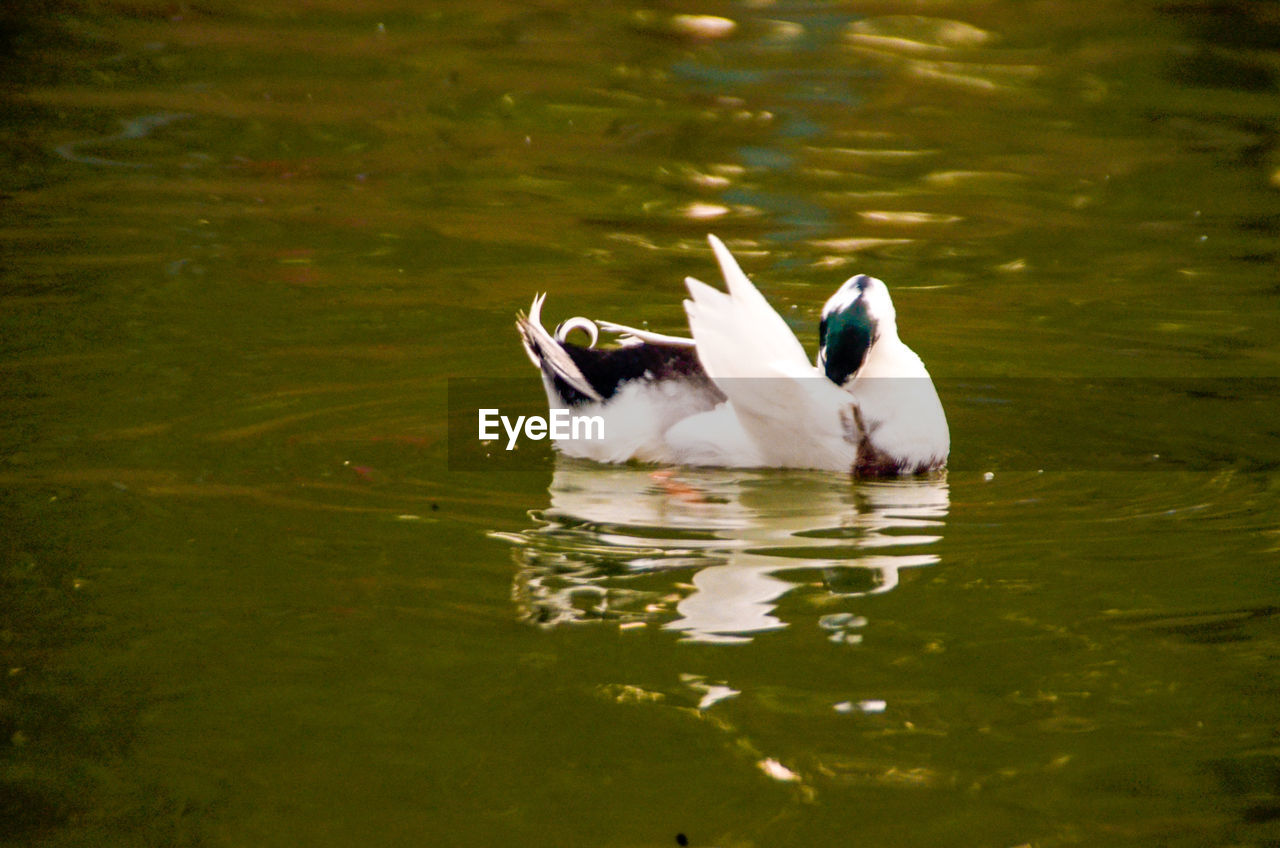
column 548, row 353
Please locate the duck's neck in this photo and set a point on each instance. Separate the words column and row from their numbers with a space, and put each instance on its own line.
column 889, row 358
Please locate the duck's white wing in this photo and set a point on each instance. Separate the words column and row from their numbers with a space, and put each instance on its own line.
column 742, row 314
column 796, row 416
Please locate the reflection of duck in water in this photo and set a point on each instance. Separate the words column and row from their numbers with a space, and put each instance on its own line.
column 710, row 553
column 741, row 393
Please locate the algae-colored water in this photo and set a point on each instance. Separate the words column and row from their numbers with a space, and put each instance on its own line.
column 257, row 589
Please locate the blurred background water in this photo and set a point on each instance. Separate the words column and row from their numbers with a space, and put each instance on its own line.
column 247, row 599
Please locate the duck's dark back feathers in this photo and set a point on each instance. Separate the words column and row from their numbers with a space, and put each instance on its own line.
column 607, row 370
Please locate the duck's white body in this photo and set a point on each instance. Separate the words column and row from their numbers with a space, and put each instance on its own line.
column 742, row 393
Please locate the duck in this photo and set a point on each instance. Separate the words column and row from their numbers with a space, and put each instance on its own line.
column 740, row 391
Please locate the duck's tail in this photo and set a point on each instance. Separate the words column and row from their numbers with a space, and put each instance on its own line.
column 548, row 353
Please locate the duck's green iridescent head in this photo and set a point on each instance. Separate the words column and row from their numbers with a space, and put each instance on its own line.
column 853, row 319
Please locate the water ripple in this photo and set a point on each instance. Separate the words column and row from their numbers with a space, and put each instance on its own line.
column 132, row 130
column 950, row 53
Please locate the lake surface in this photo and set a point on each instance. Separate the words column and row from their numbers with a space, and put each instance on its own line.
column 261, row 587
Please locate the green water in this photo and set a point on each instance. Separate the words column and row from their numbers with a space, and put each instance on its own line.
column 247, row 599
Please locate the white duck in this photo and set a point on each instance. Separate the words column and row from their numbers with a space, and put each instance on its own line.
column 741, row 393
